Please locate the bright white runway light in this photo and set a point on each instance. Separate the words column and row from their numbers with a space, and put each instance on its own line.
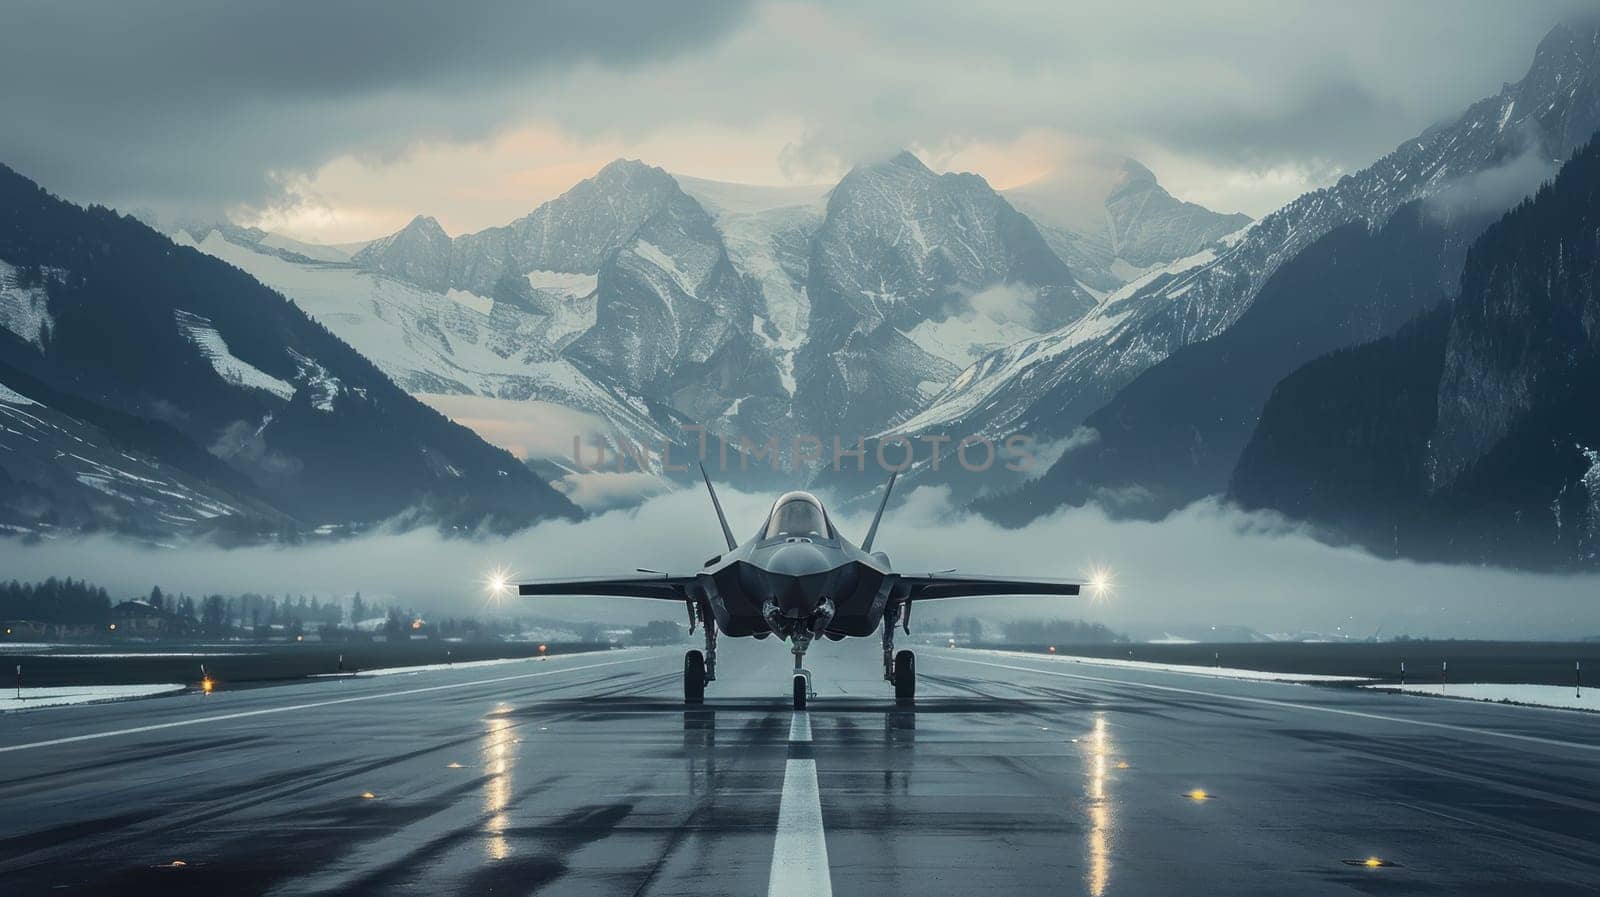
column 1101, row 583
column 498, row 583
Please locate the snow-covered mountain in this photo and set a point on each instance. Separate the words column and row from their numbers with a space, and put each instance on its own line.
column 912, row 274
column 649, row 300
column 1110, row 220
column 645, row 300
column 1048, row 385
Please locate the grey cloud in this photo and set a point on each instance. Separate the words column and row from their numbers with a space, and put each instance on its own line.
column 190, row 102
column 193, row 102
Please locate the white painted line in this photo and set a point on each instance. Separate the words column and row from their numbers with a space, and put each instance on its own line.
column 1291, row 705
column 800, row 726
column 800, row 853
column 291, row 708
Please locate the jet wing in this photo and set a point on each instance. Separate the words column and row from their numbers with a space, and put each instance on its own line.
column 950, row 585
column 652, row 585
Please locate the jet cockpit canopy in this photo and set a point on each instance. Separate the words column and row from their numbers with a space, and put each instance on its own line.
column 798, row 514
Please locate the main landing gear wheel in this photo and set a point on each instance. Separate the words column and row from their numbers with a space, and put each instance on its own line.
column 800, row 690
column 694, row 677
column 905, row 677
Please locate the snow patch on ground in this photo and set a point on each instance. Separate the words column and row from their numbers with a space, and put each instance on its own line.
column 12, row 397
column 63, row 696
column 1213, row 672
column 563, row 283
column 654, row 254
column 23, row 310
column 483, row 305
column 1564, row 696
column 237, row 371
column 324, row 386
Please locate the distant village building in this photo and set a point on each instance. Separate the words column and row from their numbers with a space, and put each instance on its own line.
column 140, row 618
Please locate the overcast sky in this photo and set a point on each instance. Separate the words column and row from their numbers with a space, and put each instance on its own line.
column 338, row 120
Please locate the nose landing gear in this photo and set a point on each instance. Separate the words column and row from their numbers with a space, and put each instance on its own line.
column 802, row 676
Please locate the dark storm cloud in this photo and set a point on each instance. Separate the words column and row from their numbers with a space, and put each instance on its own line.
column 203, row 101
column 213, row 104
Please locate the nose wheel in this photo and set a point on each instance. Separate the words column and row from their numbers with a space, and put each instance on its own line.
column 694, row 677
column 802, row 691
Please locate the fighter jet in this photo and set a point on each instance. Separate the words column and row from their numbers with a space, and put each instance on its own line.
column 800, row 579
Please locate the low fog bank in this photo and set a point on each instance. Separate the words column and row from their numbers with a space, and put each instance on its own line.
column 1207, row 565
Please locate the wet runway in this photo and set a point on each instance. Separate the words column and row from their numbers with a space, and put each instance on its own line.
column 586, row 775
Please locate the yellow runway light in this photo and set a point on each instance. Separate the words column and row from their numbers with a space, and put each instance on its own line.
column 367, row 795
column 1198, row 794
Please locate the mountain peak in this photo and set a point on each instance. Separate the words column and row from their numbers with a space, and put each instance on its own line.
column 624, row 171
column 908, row 159
column 1571, row 48
column 1133, row 171
column 425, row 225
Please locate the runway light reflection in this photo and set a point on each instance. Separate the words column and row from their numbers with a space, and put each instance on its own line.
column 1372, row 863
column 497, row 759
column 1097, row 748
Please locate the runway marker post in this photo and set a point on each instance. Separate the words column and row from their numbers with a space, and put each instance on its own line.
column 1444, row 675
column 19, row 681
column 1577, row 676
column 1402, row 674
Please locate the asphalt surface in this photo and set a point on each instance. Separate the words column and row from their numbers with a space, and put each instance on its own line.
column 585, row 774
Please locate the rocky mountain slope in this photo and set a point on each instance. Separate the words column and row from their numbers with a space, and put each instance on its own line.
column 1049, row 384
column 1470, row 435
column 912, row 274
column 192, row 364
column 1173, row 435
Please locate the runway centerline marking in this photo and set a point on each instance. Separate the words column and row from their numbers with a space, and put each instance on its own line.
column 800, row 726
column 311, row 705
column 800, row 850
column 1291, row 705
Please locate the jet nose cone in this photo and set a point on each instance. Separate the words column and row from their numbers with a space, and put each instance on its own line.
column 798, row 559
column 799, row 574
